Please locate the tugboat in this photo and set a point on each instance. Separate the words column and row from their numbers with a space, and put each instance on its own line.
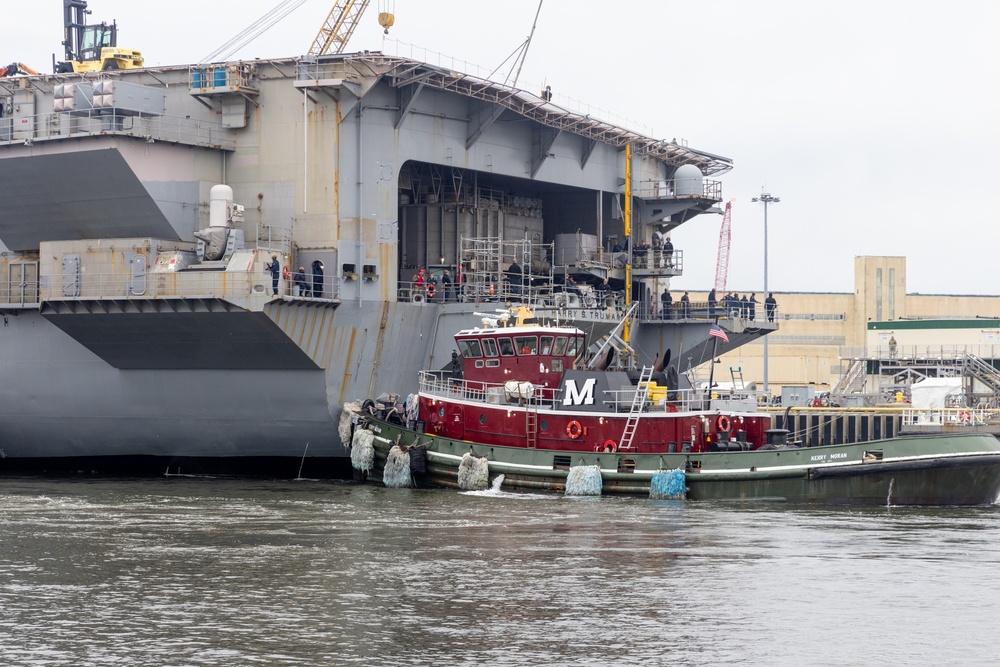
column 525, row 406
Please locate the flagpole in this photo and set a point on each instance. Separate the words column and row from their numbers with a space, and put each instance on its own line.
column 711, row 371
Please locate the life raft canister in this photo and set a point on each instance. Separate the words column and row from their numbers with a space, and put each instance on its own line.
column 723, row 423
column 573, row 429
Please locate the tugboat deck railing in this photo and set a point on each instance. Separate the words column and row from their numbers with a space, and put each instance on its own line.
column 441, row 384
column 951, row 417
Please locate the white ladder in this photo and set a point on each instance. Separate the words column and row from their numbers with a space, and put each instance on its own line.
column 638, row 401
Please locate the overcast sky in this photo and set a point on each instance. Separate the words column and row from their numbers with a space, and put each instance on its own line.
column 874, row 122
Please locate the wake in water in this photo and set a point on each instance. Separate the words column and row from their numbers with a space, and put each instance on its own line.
column 495, row 492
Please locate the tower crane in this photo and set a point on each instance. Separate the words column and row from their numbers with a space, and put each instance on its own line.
column 722, row 261
column 340, row 25
column 332, row 37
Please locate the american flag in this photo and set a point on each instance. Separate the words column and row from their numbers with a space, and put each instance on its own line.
column 717, row 331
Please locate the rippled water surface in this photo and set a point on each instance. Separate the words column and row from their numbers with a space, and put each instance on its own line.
column 235, row 572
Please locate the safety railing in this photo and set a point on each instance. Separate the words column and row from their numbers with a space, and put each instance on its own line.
column 954, row 417
column 442, row 384
column 15, row 294
column 174, row 284
column 681, row 188
column 695, row 310
column 103, row 122
column 919, row 352
column 655, row 259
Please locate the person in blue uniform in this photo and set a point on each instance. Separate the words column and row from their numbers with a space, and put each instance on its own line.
column 299, row 278
column 274, row 266
column 770, row 305
column 666, row 305
column 317, row 270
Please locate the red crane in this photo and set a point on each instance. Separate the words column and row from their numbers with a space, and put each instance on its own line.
column 722, row 262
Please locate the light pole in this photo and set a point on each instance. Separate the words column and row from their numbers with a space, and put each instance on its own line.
column 766, row 198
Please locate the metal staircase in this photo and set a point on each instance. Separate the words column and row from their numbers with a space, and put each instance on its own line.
column 852, row 381
column 638, row 402
column 983, row 371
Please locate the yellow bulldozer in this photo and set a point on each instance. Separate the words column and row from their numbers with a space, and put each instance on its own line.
column 92, row 48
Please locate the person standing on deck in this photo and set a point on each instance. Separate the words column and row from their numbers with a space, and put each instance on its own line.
column 317, row 269
column 666, row 305
column 459, row 283
column 299, row 278
column 753, row 306
column 770, row 305
column 685, row 306
column 446, row 281
column 713, row 302
column 275, row 268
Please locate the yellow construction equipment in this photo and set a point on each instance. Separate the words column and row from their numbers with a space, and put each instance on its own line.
column 92, row 48
column 340, row 25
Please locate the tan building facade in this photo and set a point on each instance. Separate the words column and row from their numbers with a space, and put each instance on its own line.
column 820, row 333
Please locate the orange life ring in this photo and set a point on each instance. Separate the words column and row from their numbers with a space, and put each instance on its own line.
column 723, row 423
column 610, row 446
column 285, row 273
column 965, row 416
column 573, row 429
column 430, row 290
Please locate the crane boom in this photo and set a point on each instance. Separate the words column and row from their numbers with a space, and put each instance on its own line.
column 722, row 261
column 339, row 27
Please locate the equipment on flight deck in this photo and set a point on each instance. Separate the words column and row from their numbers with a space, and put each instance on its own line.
column 16, row 68
column 91, row 48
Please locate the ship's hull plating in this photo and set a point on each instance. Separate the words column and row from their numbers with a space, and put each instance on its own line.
column 917, row 470
column 64, row 409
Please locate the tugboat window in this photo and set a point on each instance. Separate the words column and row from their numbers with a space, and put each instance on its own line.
column 506, row 347
column 560, row 347
column 546, row 345
column 482, row 419
column 470, row 348
column 543, row 425
column 573, row 342
column 489, row 347
column 526, row 344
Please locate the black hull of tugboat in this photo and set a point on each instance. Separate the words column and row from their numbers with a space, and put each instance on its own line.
column 942, row 470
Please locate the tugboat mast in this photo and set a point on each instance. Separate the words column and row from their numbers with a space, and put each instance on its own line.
column 627, row 214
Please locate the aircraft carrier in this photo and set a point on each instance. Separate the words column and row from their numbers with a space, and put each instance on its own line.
column 141, row 333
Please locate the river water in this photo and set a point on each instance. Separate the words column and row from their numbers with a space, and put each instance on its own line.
column 185, row 571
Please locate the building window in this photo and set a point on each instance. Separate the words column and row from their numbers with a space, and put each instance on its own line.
column 892, row 293
column 878, row 295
